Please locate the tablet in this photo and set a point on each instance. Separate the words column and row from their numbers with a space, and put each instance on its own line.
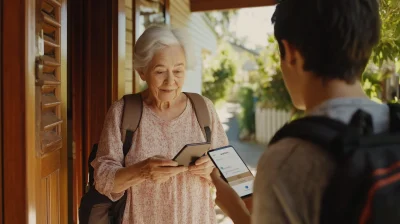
column 190, row 153
column 233, row 170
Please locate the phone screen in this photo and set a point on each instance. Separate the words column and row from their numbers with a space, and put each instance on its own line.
column 233, row 169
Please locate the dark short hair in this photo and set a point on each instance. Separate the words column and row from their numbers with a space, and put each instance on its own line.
column 335, row 37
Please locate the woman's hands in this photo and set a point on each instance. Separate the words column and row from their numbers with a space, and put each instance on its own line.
column 203, row 167
column 159, row 169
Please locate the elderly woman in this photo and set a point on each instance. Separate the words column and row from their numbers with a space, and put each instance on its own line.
column 158, row 191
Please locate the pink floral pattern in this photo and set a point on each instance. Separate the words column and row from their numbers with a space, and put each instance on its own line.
column 184, row 199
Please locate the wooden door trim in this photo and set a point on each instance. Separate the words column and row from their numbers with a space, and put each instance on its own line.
column 93, row 89
column 75, row 56
column 118, row 45
column 18, row 86
column 1, row 115
column 64, row 202
column 167, row 12
column 135, row 34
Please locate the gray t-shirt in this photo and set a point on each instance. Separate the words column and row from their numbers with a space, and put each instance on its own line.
column 343, row 109
column 293, row 174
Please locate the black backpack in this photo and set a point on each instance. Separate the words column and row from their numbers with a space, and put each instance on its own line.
column 96, row 208
column 365, row 187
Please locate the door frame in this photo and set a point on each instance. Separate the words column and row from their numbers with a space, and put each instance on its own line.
column 96, row 54
column 18, row 108
column 1, row 115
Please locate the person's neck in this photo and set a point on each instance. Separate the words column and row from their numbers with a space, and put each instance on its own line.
column 157, row 104
column 318, row 92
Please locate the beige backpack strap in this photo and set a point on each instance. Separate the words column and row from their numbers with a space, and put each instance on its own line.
column 133, row 108
column 202, row 113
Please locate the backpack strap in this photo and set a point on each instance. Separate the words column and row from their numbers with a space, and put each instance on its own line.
column 133, row 109
column 202, row 113
column 394, row 117
column 317, row 129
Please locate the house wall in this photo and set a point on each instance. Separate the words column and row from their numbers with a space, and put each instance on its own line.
column 203, row 37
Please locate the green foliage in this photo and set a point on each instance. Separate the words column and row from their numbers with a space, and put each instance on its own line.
column 221, row 22
column 272, row 93
column 389, row 45
column 372, row 82
column 247, row 116
column 219, row 75
column 271, row 89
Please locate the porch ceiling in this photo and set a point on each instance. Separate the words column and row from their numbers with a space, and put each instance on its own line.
column 207, row 5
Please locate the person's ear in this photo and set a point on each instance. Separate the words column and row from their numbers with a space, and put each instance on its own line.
column 142, row 75
column 291, row 53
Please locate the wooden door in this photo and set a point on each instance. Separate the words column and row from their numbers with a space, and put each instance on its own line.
column 50, row 110
column 96, row 67
column 33, row 136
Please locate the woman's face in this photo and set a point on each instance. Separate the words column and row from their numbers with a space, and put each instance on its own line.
column 166, row 73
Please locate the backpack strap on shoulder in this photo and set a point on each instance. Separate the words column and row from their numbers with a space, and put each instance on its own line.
column 133, row 109
column 394, row 117
column 317, row 129
column 202, row 113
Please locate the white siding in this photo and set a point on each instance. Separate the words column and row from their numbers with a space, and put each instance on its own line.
column 268, row 122
column 203, row 37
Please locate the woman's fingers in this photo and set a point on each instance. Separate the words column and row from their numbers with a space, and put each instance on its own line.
column 157, row 161
column 206, row 171
column 170, row 170
column 202, row 166
column 202, row 160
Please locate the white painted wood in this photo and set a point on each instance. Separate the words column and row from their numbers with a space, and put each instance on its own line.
column 268, row 121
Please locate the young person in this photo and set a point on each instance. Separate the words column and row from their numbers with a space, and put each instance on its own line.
column 325, row 47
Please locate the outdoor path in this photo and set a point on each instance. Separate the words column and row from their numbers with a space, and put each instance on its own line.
column 250, row 152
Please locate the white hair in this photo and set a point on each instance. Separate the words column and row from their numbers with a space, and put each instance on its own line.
column 156, row 38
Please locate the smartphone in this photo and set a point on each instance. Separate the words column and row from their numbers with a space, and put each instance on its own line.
column 188, row 155
column 233, row 170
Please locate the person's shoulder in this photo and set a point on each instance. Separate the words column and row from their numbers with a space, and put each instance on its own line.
column 116, row 108
column 209, row 103
column 118, row 104
column 294, row 155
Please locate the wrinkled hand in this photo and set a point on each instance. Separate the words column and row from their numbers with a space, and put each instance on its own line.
column 203, row 167
column 160, row 169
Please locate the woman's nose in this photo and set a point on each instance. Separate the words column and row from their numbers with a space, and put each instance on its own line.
column 170, row 78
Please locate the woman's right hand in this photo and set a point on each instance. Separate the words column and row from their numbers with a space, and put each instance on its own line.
column 159, row 169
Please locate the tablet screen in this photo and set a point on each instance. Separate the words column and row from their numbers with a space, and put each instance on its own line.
column 234, row 170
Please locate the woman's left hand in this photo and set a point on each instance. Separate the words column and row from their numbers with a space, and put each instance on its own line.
column 203, row 167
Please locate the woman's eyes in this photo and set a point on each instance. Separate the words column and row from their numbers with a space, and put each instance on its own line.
column 175, row 72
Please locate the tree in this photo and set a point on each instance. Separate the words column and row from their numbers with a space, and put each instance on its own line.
column 221, row 20
column 219, row 73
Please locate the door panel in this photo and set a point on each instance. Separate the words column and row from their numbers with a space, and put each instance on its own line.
column 50, row 103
